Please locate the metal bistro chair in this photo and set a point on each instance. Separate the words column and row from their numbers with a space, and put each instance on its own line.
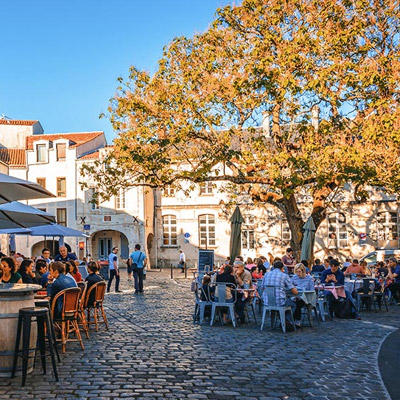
column 258, row 296
column 249, row 303
column 67, row 322
column 380, row 294
column 274, row 308
column 322, row 306
column 200, row 305
column 367, row 294
column 99, row 289
column 221, row 301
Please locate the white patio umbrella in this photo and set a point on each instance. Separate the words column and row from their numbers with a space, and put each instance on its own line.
column 12, row 189
column 18, row 215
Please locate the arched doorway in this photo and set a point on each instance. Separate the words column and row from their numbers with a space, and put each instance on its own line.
column 103, row 241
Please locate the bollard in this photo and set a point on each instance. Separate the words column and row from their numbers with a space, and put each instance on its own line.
column 184, row 266
column 172, row 272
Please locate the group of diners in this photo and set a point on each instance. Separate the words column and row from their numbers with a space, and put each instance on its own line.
column 290, row 279
column 63, row 273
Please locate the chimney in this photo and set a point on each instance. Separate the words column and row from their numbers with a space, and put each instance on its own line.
column 315, row 117
column 265, row 124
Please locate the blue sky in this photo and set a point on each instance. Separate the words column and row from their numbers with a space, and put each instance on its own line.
column 59, row 59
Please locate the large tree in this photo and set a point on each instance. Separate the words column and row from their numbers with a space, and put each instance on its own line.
column 323, row 76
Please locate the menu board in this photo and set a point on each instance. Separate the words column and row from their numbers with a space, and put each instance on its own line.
column 206, row 260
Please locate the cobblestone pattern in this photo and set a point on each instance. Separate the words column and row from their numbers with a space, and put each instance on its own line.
column 153, row 351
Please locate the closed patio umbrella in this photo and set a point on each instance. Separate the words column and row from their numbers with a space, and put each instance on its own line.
column 18, row 215
column 236, row 234
column 308, row 239
column 12, row 189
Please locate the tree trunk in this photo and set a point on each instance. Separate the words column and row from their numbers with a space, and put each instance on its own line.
column 296, row 223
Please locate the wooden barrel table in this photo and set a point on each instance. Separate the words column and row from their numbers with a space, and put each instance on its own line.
column 13, row 297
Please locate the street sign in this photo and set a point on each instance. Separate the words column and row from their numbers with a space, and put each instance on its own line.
column 86, row 227
column 187, row 235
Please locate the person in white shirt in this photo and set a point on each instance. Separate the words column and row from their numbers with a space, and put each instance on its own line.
column 182, row 260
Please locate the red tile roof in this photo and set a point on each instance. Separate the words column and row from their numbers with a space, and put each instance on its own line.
column 76, row 138
column 13, row 157
column 90, row 156
column 17, row 122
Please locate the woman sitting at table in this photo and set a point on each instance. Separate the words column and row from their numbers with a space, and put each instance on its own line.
column 302, row 282
column 92, row 279
column 26, row 271
column 9, row 274
column 256, row 274
column 73, row 272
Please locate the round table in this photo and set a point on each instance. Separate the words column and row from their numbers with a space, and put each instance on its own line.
column 13, row 297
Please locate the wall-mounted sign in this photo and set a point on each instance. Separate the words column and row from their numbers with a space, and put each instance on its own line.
column 107, row 218
column 86, row 227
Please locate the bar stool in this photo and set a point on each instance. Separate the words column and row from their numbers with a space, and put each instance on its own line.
column 46, row 303
column 24, row 324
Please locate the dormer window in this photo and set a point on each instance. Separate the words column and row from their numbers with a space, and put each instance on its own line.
column 61, row 149
column 41, row 153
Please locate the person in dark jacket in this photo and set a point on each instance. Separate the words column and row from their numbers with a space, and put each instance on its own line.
column 26, row 271
column 92, row 279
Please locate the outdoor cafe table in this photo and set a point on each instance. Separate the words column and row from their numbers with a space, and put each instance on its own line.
column 337, row 291
column 353, row 284
column 13, row 297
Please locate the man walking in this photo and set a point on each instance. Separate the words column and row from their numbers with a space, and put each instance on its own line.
column 182, row 260
column 138, row 262
column 114, row 271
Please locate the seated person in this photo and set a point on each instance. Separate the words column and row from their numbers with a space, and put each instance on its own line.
column 256, row 274
column 43, row 270
column 261, row 265
column 242, row 275
column 26, row 271
column 9, row 274
column 305, row 263
column 92, row 279
column 300, row 278
column 333, row 276
column 46, row 255
column 227, row 277
column 303, row 282
column 381, row 269
column 249, row 264
column 65, row 256
column 317, row 267
column 366, row 269
column 40, row 268
column 73, row 271
column 58, row 281
column 282, row 283
column 207, row 290
column 354, row 268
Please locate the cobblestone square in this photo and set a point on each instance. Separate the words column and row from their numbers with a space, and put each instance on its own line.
column 154, row 351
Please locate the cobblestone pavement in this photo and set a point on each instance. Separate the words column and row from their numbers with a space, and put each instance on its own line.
column 153, row 351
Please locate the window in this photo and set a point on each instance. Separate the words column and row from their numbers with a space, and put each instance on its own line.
column 206, row 188
column 169, row 230
column 61, row 187
column 41, row 153
column 248, row 241
column 60, row 149
column 207, row 230
column 248, row 236
column 120, row 200
column 337, row 231
column 286, row 234
column 41, row 182
column 62, row 216
column 168, row 191
column 387, row 226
